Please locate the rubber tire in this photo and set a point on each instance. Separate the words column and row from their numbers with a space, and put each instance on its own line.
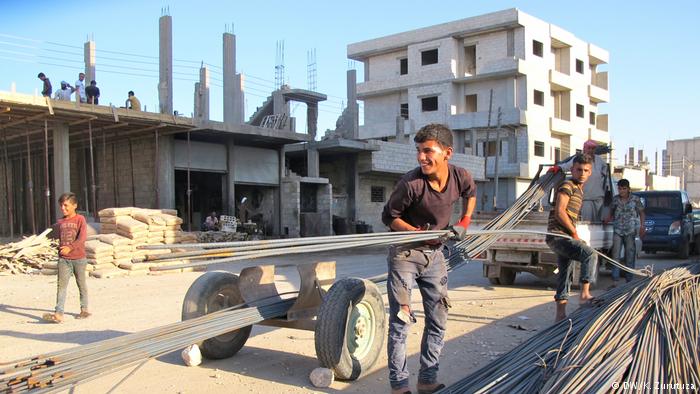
column 199, row 301
column 331, row 327
column 684, row 250
column 507, row 277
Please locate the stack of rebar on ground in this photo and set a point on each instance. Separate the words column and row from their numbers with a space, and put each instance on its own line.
column 54, row 371
column 643, row 336
column 29, row 254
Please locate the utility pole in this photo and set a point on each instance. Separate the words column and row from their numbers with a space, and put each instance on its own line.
column 495, row 167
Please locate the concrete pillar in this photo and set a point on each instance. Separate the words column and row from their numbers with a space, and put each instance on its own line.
column 353, row 186
column 239, row 100
column 165, row 86
column 231, row 178
column 312, row 163
column 166, row 172
column 89, row 54
column 201, row 96
column 472, row 136
column 312, row 118
column 459, row 141
column 352, row 103
column 279, row 225
column 61, row 162
column 230, row 78
column 400, row 123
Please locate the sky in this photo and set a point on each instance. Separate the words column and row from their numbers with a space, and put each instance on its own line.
column 654, row 50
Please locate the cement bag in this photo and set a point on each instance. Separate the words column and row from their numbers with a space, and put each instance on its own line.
column 108, row 219
column 172, row 212
column 96, row 247
column 131, row 225
column 171, row 220
column 107, row 228
column 116, row 211
column 148, row 217
column 115, row 240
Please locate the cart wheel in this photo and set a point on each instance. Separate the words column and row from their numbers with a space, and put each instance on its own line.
column 350, row 328
column 211, row 292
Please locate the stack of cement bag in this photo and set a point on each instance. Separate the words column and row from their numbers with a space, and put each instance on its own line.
column 100, row 257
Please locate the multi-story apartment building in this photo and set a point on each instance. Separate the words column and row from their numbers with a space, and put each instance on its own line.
column 538, row 82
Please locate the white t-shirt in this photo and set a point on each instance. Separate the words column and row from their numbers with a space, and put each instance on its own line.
column 63, row 94
column 80, row 87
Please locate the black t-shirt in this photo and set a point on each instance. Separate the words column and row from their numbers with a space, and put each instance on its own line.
column 415, row 202
column 92, row 91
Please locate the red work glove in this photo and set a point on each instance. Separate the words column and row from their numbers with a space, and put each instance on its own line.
column 554, row 169
column 459, row 230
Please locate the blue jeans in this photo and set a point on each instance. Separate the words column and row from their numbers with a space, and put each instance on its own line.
column 66, row 269
column 630, row 248
column 427, row 268
column 566, row 251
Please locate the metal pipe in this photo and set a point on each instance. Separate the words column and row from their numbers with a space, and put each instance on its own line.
column 47, row 186
column 93, row 186
column 30, row 188
column 9, row 201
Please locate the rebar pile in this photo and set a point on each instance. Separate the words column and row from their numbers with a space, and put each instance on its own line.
column 57, row 370
column 643, row 332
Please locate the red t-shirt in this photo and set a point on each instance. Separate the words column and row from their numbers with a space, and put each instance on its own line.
column 73, row 233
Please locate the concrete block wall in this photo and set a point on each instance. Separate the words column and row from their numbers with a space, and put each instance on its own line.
column 144, row 181
column 336, row 174
column 291, row 208
column 371, row 212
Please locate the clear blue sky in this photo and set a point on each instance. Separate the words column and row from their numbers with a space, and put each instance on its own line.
column 654, row 49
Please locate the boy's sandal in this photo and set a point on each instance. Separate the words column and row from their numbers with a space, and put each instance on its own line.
column 52, row 318
column 83, row 315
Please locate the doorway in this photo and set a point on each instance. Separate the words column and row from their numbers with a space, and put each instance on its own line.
column 207, row 195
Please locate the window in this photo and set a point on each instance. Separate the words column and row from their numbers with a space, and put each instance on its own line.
column 579, row 110
column 308, row 198
column 537, row 48
column 471, row 103
column 539, row 148
column 377, row 194
column 557, row 154
column 429, row 104
column 404, row 110
column 539, row 97
column 591, row 118
column 470, row 60
column 491, row 151
column 403, row 66
column 429, row 57
column 579, row 66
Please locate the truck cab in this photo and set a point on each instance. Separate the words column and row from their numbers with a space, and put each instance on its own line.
column 671, row 224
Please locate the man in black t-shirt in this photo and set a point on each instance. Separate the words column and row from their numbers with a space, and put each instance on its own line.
column 93, row 93
column 422, row 199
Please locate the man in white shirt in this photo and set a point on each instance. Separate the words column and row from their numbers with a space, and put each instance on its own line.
column 64, row 92
column 80, row 89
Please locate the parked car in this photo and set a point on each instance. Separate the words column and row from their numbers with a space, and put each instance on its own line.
column 671, row 224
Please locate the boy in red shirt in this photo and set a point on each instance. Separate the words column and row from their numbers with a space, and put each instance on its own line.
column 71, row 232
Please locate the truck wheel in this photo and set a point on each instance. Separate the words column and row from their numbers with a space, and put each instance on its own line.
column 211, row 292
column 350, row 328
column 684, row 250
column 507, row 277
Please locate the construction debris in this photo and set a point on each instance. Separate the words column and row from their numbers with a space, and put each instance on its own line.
column 30, row 254
column 645, row 331
column 191, row 355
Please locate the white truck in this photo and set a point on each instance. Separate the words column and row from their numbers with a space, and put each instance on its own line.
column 516, row 253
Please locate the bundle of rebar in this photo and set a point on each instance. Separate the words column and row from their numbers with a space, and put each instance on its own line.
column 53, row 371
column 640, row 336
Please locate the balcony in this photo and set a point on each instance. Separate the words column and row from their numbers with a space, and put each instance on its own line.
column 471, row 120
column 598, row 95
column 561, row 126
column 498, row 68
column 597, row 55
column 560, row 81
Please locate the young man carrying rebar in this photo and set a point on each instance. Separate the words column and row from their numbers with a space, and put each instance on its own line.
column 422, row 199
column 562, row 220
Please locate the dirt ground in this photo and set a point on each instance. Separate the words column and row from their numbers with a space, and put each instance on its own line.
column 485, row 321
